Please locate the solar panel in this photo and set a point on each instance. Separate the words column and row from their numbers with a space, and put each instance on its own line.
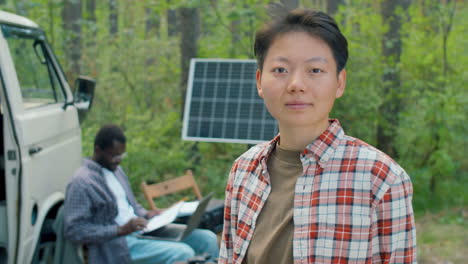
column 222, row 104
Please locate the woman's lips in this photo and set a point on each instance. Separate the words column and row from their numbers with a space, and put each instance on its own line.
column 298, row 105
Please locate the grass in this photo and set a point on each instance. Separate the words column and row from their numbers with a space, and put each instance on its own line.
column 443, row 237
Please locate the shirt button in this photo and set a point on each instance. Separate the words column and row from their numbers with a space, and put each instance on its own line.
column 237, row 250
column 249, row 221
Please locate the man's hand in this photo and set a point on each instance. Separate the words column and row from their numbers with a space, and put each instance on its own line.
column 133, row 225
column 154, row 212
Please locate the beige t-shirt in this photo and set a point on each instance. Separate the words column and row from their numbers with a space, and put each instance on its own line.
column 274, row 229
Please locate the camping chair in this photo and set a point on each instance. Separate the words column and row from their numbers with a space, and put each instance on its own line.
column 213, row 215
column 187, row 181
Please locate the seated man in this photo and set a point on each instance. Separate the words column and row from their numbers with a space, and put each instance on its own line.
column 101, row 212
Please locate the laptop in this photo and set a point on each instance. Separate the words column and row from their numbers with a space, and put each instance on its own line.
column 178, row 232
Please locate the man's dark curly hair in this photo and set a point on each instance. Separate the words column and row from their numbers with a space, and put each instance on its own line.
column 315, row 23
column 106, row 136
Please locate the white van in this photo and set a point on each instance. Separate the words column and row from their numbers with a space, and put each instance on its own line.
column 40, row 138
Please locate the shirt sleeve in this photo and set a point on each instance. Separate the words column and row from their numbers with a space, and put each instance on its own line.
column 395, row 232
column 77, row 214
column 226, row 248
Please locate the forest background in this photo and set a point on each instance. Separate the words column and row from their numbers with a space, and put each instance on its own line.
column 406, row 90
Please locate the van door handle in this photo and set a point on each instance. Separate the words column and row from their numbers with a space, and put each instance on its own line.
column 34, row 150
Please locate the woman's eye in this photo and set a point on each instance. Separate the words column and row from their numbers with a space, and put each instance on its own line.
column 316, row 70
column 279, row 70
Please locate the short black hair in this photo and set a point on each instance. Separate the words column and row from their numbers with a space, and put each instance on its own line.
column 106, row 136
column 315, row 23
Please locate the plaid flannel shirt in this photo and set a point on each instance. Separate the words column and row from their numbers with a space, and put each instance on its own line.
column 351, row 205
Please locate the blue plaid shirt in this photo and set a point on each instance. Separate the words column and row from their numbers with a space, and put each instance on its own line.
column 90, row 210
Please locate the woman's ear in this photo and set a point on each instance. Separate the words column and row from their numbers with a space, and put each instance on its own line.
column 341, row 83
column 258, row 77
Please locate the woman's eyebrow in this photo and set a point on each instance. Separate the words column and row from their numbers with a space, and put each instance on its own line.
column 317, row 58
column 281, row 59
column 312, row 59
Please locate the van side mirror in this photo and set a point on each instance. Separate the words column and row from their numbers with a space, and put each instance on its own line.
column 84, row 94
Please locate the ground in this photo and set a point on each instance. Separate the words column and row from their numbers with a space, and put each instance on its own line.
column 443, row 237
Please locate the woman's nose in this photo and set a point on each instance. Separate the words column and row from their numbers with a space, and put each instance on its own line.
column 296, row 83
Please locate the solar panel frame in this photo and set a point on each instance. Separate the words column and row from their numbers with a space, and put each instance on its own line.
column 254, row 102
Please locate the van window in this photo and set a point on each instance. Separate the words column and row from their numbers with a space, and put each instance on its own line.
column 37, row 77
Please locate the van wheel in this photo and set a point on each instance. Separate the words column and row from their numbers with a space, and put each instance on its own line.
column 45, row 249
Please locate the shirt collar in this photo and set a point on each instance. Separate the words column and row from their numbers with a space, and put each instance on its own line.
column 322, row 148
column 92, row 165
column 326, row 144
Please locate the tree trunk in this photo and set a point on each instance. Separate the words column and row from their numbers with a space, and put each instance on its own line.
column 172, row 28
column 235, row 38
column 91, row 18
column 391, row 51
column 151, row 23
column 71, row 16
column 447, row 23
column 447, row 12
column 190, row 25
column 90, row 52
column 151, row 27
column 190, row 29
column 333, row 5
column 113, row 18
column 50, row 9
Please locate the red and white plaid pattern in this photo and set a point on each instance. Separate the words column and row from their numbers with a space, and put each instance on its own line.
column 351, row 205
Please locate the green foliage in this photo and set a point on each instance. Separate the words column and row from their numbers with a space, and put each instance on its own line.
column 138, row 76
column 432, row 126
column 357, row 109
column 229, row 28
